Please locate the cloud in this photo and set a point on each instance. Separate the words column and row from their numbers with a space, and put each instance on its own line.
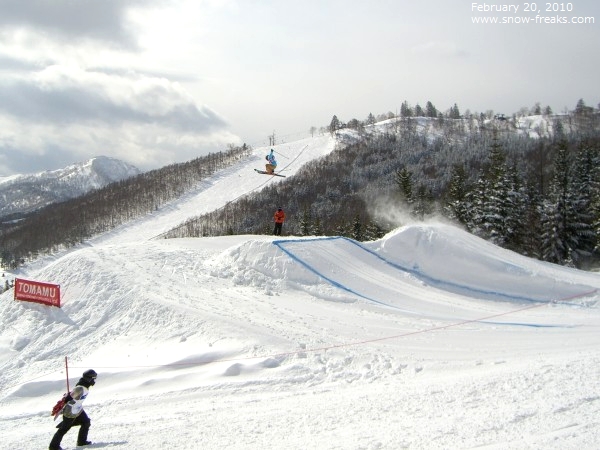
column 77, row 114
column 101, row 20
column 62, row 95
column 27, row 147
column 68, row 91
column 173, row 75
column 11, row 64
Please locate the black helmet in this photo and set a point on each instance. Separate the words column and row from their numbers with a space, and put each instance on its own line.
column 90, row 374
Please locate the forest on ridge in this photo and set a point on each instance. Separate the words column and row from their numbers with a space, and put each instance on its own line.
column 539, row 196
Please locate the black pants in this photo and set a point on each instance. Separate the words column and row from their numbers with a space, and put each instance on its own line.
column 82, row 420
column 277, row 229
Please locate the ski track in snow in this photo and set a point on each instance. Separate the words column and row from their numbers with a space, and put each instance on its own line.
column 429, row 338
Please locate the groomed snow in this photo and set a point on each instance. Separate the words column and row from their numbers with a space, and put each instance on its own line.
column 429, row 338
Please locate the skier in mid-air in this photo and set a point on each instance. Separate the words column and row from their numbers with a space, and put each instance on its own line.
column 272, row 164
column 73, row 413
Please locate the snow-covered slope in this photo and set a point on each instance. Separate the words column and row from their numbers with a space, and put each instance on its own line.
column 25, row 193
column 429, row 338
column 226, row 186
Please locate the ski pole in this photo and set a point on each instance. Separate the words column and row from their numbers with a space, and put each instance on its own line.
column 281, row 154
column 67, row 369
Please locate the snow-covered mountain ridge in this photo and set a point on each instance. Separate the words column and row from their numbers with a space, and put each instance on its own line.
column 27, row 192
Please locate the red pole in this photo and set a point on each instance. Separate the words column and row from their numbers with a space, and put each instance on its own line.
column 67, row 369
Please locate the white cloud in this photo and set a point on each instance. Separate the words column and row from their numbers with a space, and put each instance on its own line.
column 30, row 147
column 98, row 20
column 147, row 121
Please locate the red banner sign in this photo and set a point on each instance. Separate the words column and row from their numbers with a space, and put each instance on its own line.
column 34, row 291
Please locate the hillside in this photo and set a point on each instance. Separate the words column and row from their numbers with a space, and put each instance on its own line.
column 427, row 338
column 224, row 187
column 504, row 181
column 429, row 166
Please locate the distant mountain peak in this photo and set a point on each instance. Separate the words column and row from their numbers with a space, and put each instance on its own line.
column 20, row 194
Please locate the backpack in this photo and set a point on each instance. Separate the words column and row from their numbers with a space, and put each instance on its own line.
column 59, row 406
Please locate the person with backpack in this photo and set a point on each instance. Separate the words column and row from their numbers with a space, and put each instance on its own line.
column 73, row 413
column 272, row 163
column 279, row 217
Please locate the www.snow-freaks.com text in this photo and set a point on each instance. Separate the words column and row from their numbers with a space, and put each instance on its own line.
column 528, row 13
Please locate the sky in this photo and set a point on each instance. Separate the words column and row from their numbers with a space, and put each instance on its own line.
column 429, row 338
column 160, row 81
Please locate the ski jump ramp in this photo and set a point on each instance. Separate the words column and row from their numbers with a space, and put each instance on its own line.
column 380, row 280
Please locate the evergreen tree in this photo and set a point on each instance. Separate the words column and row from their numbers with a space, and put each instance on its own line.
column 558, row 215
column 494, row 204
column 405, row 110
column 496, row 159
column 357, row 229
column 476, row 198
column 305, row 222
column 454, row 112
column 580, row 108
column 515, row 208
column 531, row 223
column 419, row 111
column 430, row 110
column 458, row 205
column 354, row 124
column 317, row 228
column 341, row 230
column 6, row 258
column 334, row 125
column 373, row 232
column 405, row 183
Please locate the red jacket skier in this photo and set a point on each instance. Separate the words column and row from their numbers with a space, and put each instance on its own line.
column 279, row 217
